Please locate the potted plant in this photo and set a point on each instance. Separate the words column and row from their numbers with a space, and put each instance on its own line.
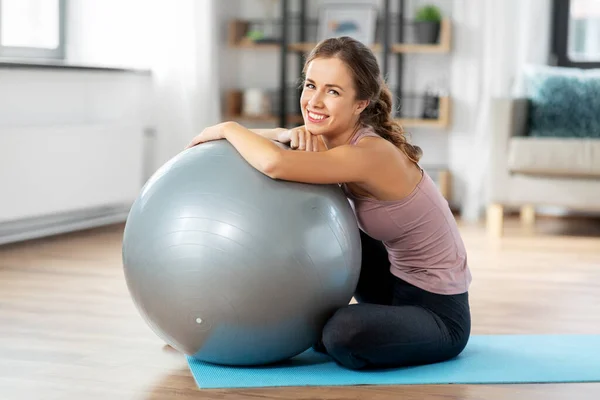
column 427, row 24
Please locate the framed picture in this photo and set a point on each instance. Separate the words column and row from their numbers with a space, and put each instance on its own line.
column 358, row 21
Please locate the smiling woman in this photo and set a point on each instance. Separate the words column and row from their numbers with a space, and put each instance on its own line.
column 328, row 101
column 413, row 287
column 344, row 96
column 345, row 64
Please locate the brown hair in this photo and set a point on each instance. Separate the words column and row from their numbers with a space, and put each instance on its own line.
column 369, row 85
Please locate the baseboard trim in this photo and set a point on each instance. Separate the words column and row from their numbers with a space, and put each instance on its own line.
column 35, row 228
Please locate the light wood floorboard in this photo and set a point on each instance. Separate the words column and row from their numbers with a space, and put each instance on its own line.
column 68, row 329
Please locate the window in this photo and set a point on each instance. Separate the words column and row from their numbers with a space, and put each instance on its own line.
column 32, row 28
column 576, row 41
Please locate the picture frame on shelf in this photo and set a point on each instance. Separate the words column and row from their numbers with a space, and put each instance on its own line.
column 358, row 21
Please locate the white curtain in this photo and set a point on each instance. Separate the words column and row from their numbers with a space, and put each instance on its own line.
column 494, row 40
column 177, row 40
column 185, row 67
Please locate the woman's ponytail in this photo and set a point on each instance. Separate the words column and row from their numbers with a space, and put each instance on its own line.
column 379, row 115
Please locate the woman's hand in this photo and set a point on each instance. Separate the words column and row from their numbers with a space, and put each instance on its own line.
column 215, row 132
column 300, row 139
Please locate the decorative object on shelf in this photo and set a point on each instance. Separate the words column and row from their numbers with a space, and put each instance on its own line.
column 410, row 105
column 260, row 105
column 233, row 103
column 253, row 34
column 431, row 105
column 269, row 31
column 261, row 33
column 255, row 102
column 348, row 19
column 427, row 24
column 410, row 113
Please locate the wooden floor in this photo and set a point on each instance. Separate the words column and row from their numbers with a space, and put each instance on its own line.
column 68, row 329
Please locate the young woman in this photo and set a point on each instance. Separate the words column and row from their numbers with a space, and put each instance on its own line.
column 412, row 295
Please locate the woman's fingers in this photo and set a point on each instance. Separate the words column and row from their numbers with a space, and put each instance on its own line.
column 284, row 136
column 301, row 139
column 315, row 143
column 293, row 139
column 308, row 139
column 312, row 142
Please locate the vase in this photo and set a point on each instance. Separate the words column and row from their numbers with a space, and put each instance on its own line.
column 427, row 32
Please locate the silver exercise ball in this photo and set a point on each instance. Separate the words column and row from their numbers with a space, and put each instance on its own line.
column 232, row 267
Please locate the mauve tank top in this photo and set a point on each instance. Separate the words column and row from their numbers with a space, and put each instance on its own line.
column 419, row 232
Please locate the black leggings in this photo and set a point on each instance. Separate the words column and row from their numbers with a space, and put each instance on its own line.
column 394, row 323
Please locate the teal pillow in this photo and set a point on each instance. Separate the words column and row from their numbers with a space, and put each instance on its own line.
column 564, row 102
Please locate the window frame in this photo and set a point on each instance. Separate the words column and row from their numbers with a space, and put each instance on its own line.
column 560, row 37
column 36, row 52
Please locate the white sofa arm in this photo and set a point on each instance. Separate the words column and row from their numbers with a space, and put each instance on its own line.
column 508, row 119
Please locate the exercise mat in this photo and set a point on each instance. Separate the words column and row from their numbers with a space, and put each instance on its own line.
column 487, row 359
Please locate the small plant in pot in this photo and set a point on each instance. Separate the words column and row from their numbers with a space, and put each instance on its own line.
column 427, row 24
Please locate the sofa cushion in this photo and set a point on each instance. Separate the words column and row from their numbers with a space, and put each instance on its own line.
column 577, row 158
column 564, row 102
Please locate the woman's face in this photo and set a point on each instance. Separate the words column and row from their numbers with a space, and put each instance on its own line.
column 328, row 101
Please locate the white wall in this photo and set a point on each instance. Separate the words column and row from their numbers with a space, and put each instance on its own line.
column 76, row 139
column 110, row 33
column 69, row 140
column 177, row 41
column 72, row 140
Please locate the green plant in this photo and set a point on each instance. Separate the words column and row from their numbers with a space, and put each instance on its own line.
column 429, row 13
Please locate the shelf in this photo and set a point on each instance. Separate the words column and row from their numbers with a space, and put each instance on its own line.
column 442, row 122
column 263, row 118
column 418, row 48
column 254, row 46
column 234, row 100
column 443, row 45
column 421, row 123
column 408, row 123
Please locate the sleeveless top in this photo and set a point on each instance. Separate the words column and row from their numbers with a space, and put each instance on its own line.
column 419, row 232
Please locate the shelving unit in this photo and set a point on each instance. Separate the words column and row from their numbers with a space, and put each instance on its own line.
column 237, row 39
column 386, row 47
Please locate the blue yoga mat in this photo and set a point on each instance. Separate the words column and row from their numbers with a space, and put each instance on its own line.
column 486, row 359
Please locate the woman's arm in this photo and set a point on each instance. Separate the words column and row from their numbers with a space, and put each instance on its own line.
column 272, row 134
column 258, row 150
column 297, row 138
column 342, row 164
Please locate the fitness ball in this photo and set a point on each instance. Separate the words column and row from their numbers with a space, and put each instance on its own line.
column 232, row 267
